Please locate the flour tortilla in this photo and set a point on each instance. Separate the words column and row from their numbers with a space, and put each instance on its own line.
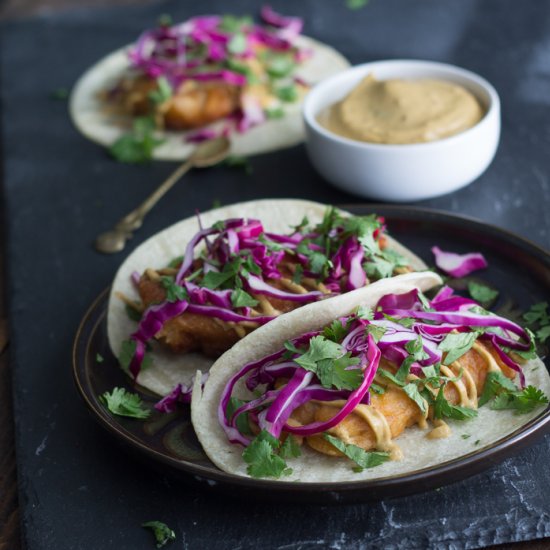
column 88, row 112
column 419, row 451
column 169, row 369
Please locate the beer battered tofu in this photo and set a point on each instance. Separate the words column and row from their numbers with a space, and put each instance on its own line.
column 399, row 410
column 195, row 332
column 193, row 105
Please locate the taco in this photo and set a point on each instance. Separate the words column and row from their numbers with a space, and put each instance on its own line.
column 218, row 74
column 377, row 382
column 201, row 285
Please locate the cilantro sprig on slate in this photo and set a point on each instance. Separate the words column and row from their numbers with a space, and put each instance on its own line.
column 163, row 534
column 266, row 457
column 538, row 320
column 363, row 459
column 124, row 403
column 138, row 145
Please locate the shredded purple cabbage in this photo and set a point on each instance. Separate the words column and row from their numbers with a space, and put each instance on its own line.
column 458, row 265
column 274, row 404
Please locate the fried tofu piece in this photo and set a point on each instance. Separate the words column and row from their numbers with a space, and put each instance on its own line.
column 398, row 409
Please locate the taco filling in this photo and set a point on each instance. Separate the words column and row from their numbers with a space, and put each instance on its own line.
column 234, row 277
column 352, row 388
column 210, row 68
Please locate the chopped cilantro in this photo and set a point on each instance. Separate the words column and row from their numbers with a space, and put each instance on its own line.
column 376, row 332
column 165, row 20
column 288, row 93
column 60, row 94
column 127, row 352
column 298, row 274
column 237, row 43
column 273, row 113
column 336, row 331
column 174, row 292
column 291, row 350
column 242, row 420
column 123, row 403
column 232, row 24
column 163, row 91
column 482, row 293
column 216, row 203
column 132, row 313
column 99, row 358
column 327, row 360
column 138, row 145
column 387, row 374
column 364, row 312
column 240, row 298
column 538, row 319
column 262, row 458
column 477, row 441
column 380, row 390
column 522, row 402
column 234, row 161
column 163, row 534
column 279, row 66
column 412, row 391
column 176, row 262
column 456, row 345
column 356, row 4
column 406, row 322
column 442, row 408
column 465, row 436
column 290, row 448
column 363, row 459
column 495, row 383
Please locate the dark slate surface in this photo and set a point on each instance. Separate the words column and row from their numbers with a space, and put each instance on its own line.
column 80, row 491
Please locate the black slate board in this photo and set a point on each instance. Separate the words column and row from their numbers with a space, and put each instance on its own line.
column 80, row 491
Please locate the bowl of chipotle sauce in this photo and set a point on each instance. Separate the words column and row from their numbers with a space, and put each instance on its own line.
column 402, row 130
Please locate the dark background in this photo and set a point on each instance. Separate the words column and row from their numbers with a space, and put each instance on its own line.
column 77, row 489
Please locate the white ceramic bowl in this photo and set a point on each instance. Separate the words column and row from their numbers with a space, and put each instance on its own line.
column 402, row 173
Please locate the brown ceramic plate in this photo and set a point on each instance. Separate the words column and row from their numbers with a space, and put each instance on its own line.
column 518, row 269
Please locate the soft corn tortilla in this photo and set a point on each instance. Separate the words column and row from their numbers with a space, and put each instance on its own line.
column 169, row 369
column 89, row 115
column 419, row 451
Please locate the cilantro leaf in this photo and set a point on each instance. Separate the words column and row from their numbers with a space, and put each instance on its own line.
column 288, row 93
column 242, row 420
column 412, row 391
column 442, row 408
column 543, row 334
column 290, row 448
column 376, row 332
column 364, row 312
column 163, row 534
column 482, row 293
column 523, row 401
column 279, row 66
column 262, row 459
column 538, row 314
column 174, row 292
column 363, row 459
column 99, row 358
column 231, row 23
column 336, row 331
column 127, row 352
column 235, row 161
column 132, row 313
column 163, row 91
column 456, row 345
column 138, row 145
column 406, row 322
column 123, row 403
column 326, row 359
column 240, row 298
column 495, row 383
column 356, row 4
column 274, row 113
column 380, row 390
column 390, row 376
column 298, row 274
column 237, row 43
